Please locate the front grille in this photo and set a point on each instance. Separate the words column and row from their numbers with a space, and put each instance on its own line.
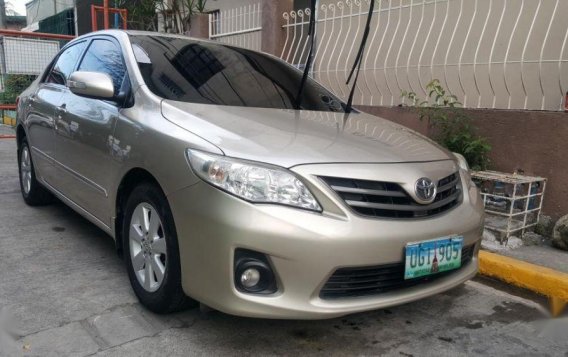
column 374, row 280
column 387, row 199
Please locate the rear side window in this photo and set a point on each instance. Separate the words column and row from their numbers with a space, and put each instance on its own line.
column 105, row 56
column 65, row 64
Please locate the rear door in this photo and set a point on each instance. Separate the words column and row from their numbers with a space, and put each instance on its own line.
column 85, row 131
column 42, row 114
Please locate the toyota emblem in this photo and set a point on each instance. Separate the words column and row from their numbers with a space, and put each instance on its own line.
column 425, row 189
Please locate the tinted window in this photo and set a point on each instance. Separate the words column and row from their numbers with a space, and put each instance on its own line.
column 65, row 64
column 105, row 56
column 200, row 72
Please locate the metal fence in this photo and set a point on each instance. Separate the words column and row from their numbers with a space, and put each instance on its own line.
column 504, row 54
column 23, row 56
column 240, row 26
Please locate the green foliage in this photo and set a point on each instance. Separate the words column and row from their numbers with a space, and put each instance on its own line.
column 452, row 127
column 188, row 9
column 14, row 84
column 143, row 14
column 198, row 6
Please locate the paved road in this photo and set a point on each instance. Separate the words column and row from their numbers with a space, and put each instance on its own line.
column 61, row 279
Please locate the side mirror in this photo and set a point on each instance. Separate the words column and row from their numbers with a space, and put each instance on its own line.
column 95, row 85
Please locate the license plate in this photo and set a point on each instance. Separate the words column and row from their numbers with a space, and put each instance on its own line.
column 434, row 256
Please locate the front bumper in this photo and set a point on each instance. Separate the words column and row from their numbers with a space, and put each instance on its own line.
column 304, row 249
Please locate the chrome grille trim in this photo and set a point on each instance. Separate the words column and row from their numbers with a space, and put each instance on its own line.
column 411, row 207
column 448, row 185
column 367, row 191
column 380, row 199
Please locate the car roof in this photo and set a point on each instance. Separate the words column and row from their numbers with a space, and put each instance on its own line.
column 119, row 32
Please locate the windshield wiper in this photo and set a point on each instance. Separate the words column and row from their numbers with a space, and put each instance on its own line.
column 311, row 31
column 359, row 58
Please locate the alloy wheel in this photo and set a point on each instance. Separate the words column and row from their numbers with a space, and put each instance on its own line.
column 148, row 251
column 26, row 170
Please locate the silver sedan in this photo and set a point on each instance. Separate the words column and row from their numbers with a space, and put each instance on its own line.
column 221, row 185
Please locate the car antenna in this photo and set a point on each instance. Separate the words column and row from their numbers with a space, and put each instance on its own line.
column 311, row 31
column 359, row 58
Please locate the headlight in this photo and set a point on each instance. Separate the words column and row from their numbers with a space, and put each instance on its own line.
column 462, row 161
column 464, row 168
column 254, row 182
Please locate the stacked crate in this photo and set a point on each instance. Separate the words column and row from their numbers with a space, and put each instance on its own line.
column 512, row 202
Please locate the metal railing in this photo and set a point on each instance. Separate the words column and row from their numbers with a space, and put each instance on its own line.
column 504, row 54
column 240, row 26
column 23, row 56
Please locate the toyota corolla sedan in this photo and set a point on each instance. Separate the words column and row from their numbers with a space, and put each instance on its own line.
column 221, row 186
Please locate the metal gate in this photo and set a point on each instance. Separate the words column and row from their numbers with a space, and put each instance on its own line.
column 238, row 27
column 505, row 54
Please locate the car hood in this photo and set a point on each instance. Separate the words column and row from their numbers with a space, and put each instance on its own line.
column 292, row 137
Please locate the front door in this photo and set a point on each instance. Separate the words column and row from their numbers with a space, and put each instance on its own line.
column 42, row 114
column 84, row 129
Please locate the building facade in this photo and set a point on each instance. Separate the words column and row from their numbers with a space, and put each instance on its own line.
column 37, row 10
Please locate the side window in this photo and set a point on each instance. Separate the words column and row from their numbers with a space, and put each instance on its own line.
column 105, row 56
column 65, row 64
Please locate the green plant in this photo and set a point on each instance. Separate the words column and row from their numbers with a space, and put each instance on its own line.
column 199, row 6
column 142, row 14
column 175, row 14
column 14, row 84
column 452, row 127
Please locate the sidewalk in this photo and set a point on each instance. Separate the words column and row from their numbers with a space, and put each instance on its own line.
column 545, row 255
column 6, row 130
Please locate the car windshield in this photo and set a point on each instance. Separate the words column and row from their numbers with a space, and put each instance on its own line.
column 187, row 70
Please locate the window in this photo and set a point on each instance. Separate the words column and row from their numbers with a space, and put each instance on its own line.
column 105, row 56
column 192, row 71
column 65, row 64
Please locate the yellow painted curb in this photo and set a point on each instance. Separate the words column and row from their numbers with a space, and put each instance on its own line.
column 544, row 281
column 8, row 121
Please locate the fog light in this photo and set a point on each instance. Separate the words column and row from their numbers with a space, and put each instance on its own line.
column 250, row 278
column 253, row 273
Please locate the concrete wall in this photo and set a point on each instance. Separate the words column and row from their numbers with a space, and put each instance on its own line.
column 533, row 141
column 199, row 26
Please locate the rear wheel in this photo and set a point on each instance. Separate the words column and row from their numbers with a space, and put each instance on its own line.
column 33, row 192
column 151, row 251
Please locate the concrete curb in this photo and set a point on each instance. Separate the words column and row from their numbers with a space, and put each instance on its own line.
column 541, row 280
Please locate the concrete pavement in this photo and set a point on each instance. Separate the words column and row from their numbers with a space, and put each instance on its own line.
column 69, row 294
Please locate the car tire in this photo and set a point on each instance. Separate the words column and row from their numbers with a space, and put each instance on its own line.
column 151, row 251
column 33, row 192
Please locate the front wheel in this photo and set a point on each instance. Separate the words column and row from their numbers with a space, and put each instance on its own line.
column 152, row 253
